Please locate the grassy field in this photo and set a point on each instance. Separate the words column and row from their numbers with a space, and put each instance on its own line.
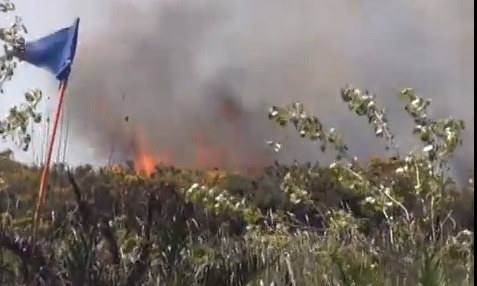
column 392, row 221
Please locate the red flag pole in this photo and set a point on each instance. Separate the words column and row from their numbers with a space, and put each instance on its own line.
column 46, row 168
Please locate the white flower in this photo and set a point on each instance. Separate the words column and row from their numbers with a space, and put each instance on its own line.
column 370, row 200
column 467, row 232
column 192, row 188
column 388, row 204
column 276, row 146
column 428, row 148
column 219, row 197
column 415, row 102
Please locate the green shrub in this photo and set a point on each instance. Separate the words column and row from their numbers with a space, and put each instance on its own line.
column 391, row 221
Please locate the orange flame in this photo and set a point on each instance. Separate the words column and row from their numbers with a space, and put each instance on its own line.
column 144, row 162
column 206, row 154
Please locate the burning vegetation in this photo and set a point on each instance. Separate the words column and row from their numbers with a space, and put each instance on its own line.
column 228, row 150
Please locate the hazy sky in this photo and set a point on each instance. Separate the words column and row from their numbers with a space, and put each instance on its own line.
column 307, row 49
column 40, row 18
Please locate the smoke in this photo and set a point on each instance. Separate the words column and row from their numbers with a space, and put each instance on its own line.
column 167, row 69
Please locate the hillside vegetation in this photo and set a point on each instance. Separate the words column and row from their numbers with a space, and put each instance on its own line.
column 391, row 221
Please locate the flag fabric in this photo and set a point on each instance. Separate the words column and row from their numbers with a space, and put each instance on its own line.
column 54, row 52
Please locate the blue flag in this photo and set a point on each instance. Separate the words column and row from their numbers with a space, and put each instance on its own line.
column 54, row 52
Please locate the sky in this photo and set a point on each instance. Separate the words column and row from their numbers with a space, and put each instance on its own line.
column 308, row 48
column 55, row 14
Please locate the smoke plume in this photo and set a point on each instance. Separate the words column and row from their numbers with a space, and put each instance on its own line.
column 179, row 72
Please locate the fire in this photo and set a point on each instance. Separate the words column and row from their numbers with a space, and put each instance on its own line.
column 203, row 152
column 144, row 161
column 206, row 156
column 145, row 164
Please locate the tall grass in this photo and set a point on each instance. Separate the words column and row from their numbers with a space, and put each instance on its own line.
column 395, row 221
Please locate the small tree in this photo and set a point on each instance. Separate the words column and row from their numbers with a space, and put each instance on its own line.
column 15, row 124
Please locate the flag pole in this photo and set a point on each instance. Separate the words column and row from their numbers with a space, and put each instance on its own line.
column 46, row 168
